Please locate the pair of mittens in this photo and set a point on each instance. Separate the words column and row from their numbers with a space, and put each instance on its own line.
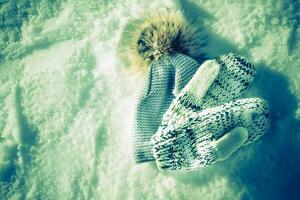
column 206, row 123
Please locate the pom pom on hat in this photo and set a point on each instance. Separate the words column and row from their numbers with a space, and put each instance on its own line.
column 162, row 34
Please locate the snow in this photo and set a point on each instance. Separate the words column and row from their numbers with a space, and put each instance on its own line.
column 67, row 100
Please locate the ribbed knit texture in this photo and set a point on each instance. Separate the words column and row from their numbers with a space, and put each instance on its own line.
column 214, row 83
column 189, row 145
column 204, row 111
column 166, row 77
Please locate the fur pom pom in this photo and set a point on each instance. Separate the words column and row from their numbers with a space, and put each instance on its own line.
column 162, row 34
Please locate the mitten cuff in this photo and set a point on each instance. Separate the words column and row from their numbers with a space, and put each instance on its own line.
column 179, row 149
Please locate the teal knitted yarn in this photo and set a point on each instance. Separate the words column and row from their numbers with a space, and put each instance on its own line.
column 166, row 77
column 166, row 44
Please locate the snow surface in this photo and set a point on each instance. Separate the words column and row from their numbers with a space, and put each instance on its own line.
column 66, row 101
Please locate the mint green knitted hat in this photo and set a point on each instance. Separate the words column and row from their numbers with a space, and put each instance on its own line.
column 167, row 44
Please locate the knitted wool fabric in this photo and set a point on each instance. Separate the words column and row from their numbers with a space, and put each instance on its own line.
column 192, row 136
column 215, row 82
column 211, row 135
column 166, row 77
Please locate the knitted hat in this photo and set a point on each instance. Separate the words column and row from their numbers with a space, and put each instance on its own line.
column 165, row 78
column 199, row 127
column 163, row 43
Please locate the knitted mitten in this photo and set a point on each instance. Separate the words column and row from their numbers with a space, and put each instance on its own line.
column 192, row 133
column 215, row 82
column 165, row 78
column 210, row 135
